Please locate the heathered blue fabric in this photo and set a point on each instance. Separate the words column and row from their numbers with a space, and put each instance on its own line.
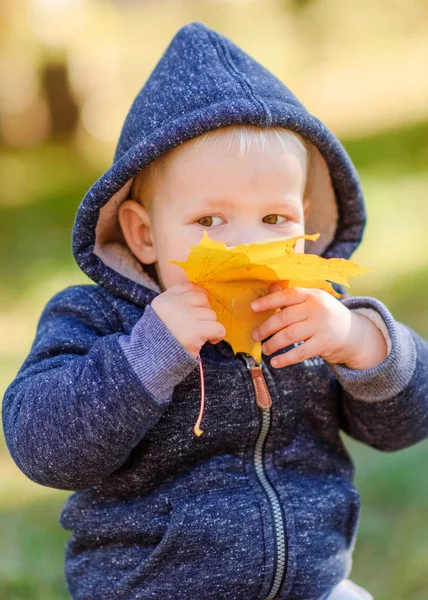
column 105, row 403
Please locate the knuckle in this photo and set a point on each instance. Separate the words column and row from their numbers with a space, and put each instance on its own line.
column 180, row 288
column 193, row 296
column 221, row 330
column 283, row 316
column 197, row 298
column 321, row 297
column 290, row 333
column 184, row 286
column 196, row 344
column 266, row 348
column 299, row 352
column 262, row 328
column 200, row 289
column 158, row 302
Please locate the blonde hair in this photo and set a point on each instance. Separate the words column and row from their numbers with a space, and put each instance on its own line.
column 245, row 136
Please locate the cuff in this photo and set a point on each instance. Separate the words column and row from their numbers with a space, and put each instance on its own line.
column 156, row 356
column 390, row 377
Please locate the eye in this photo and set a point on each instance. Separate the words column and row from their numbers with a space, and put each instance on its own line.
column 207, row 221
column 271, row 219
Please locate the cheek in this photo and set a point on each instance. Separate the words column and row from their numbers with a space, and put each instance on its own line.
column 172, row 275
column 173, row 248
column 299, row 248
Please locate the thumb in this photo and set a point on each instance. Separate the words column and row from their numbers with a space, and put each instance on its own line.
column 275, row 287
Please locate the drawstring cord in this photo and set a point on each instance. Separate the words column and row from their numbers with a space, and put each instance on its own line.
column 196, row 429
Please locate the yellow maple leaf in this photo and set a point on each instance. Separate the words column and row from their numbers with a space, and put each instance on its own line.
column 235, row 276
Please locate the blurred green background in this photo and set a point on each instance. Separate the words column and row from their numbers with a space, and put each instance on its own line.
column 69, row 71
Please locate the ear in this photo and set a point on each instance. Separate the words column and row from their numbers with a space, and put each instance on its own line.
column 136, row 227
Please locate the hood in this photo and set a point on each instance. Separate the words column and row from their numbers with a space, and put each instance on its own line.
column 204, row 81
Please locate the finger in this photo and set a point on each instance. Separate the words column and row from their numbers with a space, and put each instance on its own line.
column 204, row 314
column 187, row 286
column 280, row 299
column 213, row 330
column 197, row 298
column 285, row 317
column 296, row 332
column 308, row 349
column 275, row 287
column 203, row 332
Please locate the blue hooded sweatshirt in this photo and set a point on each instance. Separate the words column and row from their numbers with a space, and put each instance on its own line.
column 262, row 505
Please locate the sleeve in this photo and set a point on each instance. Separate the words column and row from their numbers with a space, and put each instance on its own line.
column 387, row 406
column 85, row 397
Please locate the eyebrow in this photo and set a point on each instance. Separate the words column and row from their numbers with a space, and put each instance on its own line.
column 216, row 202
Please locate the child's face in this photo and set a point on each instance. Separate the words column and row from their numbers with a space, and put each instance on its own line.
column 237, row 200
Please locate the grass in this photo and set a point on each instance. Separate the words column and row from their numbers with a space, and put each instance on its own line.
column 31, row 547
column 391, row 555
column 42, row 190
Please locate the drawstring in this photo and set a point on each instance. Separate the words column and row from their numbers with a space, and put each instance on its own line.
column 196, row 429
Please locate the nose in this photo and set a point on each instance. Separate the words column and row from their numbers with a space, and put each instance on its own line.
column 249, row 236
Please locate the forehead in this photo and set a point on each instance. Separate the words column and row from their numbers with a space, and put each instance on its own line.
column 217, row 175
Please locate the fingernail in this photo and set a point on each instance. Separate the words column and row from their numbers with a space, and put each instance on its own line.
column 256, row 336
column 255, row 304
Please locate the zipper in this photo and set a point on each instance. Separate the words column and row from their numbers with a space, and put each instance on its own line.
column 264, row 402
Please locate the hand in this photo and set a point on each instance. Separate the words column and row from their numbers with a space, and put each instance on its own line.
column 327, row 327
column 185, row 310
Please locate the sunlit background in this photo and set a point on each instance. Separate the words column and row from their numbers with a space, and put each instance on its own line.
column 69, row 70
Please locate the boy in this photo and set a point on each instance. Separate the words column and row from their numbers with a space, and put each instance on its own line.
column 261, row 506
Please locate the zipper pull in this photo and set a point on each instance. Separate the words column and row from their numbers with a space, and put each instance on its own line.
column 263, row 396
